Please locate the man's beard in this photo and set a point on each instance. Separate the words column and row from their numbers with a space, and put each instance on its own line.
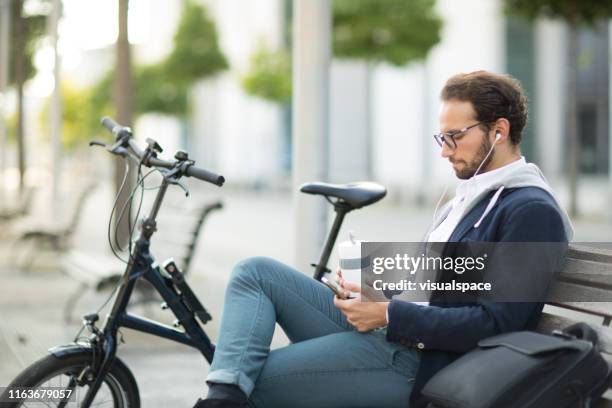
column 470, row 169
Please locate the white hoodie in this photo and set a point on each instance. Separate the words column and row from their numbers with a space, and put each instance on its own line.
column 469, row 192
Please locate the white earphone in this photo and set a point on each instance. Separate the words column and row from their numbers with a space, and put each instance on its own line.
column 497, row 137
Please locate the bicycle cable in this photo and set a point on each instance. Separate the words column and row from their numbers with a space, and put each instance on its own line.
column 131, row 227
column 132, row 222
column 128, row 205
column 108, row 232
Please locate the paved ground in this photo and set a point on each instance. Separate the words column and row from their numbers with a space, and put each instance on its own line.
column 169, row 374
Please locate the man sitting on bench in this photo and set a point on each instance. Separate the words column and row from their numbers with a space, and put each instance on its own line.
column 349, row 353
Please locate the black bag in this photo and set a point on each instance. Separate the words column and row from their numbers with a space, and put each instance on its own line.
column 524, row 369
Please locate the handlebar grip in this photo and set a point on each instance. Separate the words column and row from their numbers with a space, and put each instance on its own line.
column 109, row 124
column 116, row 129
column 205, row 175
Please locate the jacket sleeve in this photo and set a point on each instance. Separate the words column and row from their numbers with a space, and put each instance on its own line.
column 459, row 328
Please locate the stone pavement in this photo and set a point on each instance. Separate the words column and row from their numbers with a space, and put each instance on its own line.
column 169, row 374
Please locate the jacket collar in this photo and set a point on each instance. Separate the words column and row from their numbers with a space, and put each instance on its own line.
column 468, row 221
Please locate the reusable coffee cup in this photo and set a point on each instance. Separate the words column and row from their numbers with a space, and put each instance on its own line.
column 351, row 261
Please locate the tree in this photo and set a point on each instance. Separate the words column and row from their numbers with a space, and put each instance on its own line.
column 124, row 105
column 270, row 75
column 163, row 87
column 158, row 91
column 392, row 31
column 196, row 52
column 575, row 14
column 269, row 78
column 25, row 33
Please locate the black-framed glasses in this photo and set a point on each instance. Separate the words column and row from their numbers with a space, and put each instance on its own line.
column 449, row 138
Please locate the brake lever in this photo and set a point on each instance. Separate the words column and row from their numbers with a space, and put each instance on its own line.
column 182, row 186
column 116, row 148
column 97, row 143
column 170, row 177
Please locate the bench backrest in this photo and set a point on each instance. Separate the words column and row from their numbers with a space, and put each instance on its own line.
column 180, row 237
column 77, row 211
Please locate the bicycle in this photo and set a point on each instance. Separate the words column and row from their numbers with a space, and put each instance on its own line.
column 92, row 363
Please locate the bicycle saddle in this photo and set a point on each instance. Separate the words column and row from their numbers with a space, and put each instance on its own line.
column 356, row 195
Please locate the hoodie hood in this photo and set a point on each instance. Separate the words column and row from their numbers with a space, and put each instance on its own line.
column 469, row 192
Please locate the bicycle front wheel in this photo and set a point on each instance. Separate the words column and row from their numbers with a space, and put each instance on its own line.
column 70, row 372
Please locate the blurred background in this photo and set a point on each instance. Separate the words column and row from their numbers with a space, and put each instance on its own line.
column 271, row 94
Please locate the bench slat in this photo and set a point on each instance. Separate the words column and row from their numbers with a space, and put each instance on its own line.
column 589, row 272
column 602, row 309
column 91, row 268
column 588, row 253
column 550, row 322
column 573, row 292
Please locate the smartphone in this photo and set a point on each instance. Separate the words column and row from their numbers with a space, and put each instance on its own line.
column 335, row 288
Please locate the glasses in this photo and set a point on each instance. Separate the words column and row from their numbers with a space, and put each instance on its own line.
column 449, row 138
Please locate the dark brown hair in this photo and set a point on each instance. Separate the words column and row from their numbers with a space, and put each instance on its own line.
column 493, row 96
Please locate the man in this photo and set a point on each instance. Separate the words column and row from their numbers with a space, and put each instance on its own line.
column 341, row 353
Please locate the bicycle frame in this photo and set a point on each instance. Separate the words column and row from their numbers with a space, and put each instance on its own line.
column 142, row 265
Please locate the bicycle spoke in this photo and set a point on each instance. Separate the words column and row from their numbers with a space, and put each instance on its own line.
column 71, row 386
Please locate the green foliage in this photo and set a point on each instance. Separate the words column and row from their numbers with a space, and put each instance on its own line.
column 270, row 75
column 156, row 91
column 34, row 29
column 196, row 52
column 573, row 11
column 76, row 126
column 77, row 111
column 162, row 87
column 82, row 109
column 11, row 127
column 393, row 31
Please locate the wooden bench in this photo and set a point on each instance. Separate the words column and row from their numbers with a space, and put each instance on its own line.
column 103, row 272
column 9, row 213
column 56, row 238
column 587, row 275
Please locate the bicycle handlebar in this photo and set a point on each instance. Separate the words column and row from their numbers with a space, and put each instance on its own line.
column 203, row 174
column 116, row 129
column 124, row 134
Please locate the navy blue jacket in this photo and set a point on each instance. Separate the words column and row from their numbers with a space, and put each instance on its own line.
column 446, row 330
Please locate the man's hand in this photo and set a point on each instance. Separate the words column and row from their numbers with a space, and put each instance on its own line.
column 363, row 315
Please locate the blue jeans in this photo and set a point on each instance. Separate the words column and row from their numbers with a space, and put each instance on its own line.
column 327, row 364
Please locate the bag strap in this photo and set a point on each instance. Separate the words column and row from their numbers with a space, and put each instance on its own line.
column 582, row 331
